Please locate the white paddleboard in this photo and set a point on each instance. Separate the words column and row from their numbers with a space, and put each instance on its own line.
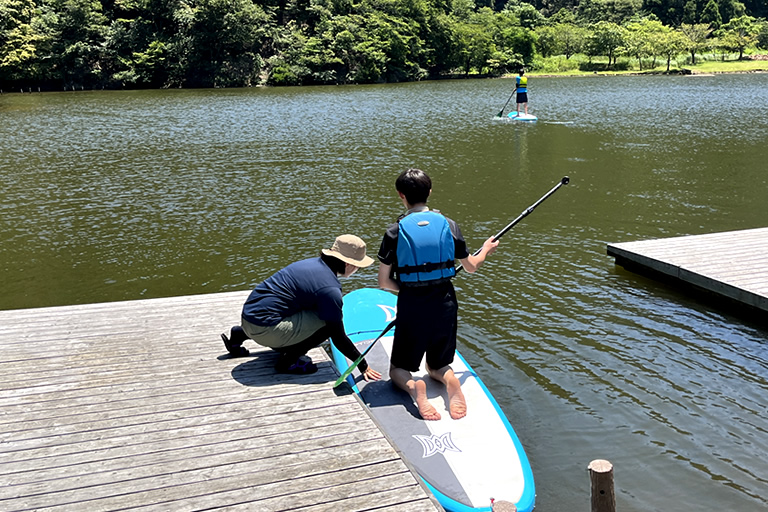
column 464, row 462
column 521, row 116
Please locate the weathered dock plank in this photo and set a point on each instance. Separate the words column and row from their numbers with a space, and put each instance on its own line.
column 135, row 405
column 732, row 264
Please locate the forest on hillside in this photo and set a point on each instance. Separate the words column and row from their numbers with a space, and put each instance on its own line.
column 74, row 44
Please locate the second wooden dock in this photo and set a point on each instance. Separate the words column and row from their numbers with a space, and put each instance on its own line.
column 731, row 264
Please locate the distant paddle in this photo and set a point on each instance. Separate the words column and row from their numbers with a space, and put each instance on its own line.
column 362, row 356
column 564, row 181
column 501, row 112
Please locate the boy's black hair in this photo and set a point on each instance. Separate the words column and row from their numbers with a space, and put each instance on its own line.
column 415, row 185
column 335, row 264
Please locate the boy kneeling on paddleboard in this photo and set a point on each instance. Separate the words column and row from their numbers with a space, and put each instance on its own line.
column 417, row 257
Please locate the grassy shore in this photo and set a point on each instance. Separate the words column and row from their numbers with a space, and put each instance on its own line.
column 705, row 64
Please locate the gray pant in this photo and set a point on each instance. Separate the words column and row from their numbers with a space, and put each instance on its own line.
column 289, row 331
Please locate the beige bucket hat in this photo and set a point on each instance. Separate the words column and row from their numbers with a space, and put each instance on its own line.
column 350, row 249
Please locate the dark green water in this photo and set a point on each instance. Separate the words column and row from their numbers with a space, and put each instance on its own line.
column 109, row 196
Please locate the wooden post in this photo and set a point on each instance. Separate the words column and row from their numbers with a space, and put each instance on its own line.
column 601, row 478
column 502, row 506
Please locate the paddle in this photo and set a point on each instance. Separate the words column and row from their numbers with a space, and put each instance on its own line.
column 501, row 112
column 520, row 217
column 362, row 356
column 498, row 235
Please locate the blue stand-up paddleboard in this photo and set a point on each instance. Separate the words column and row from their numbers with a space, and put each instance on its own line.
column 521, row 116
column 465, row 462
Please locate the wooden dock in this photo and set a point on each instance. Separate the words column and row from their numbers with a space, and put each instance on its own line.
column 732, row 264
column 135, row 405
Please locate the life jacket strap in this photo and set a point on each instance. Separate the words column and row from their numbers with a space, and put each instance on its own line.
column 425, row 267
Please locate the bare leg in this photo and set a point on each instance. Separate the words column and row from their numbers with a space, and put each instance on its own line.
column 417, row 388
column 526, row 107
column 457, row 404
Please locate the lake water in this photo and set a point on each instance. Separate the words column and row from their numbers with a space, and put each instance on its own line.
column 109, row 196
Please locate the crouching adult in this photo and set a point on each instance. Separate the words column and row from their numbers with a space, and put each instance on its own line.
column 300, row 306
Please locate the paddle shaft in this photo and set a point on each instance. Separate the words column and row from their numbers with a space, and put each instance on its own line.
column 362, row 356
column 523, row 215
column 507, row 103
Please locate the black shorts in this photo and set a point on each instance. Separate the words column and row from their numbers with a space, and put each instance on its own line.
column 522, row 97
column 426, row 324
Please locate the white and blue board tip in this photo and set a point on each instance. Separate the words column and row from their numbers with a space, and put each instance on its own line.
column 521, row 116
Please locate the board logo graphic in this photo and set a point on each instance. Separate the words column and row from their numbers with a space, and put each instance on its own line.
column 436, row 444
column 390, row 311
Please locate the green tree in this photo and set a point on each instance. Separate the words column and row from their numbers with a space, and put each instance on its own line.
column 526, row 15
column 690, row 12
column 354, row 48
column 605, row 39
column 560, row 39
column 462, row 10
column 730, row 9
column 572, row 38
column 147, row 68
column 475, row 45
column 18, row 40
column 439, row 43
column 513, row 40
column 762, row 35
column 143, row 42
column 284, row 64
column 547, row 42
column 565, row 16
column 670, row 44
column 711, row 15
column 671, row 12
column 614, row 11
column 398, row 39
column 738, row 34
column 77, row 35
column 225, row 37
column 639, row 39
column 696, row 38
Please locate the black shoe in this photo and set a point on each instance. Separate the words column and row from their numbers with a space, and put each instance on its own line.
column 302, row 366
column 234, row 350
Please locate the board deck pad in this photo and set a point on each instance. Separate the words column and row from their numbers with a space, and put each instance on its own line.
column 522, row 116
column 464, row 462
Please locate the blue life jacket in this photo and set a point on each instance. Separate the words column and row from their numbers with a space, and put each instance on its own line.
column 522, row 83
column 425, row 249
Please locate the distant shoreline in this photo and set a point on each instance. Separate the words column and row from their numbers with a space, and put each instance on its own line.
column 756, row 63
column 574, row 74
column 637, row 73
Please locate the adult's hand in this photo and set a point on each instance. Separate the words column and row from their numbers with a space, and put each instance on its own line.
column 371, row 374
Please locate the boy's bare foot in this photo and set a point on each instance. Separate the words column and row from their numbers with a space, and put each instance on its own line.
column 426, row 409
column 457, row 405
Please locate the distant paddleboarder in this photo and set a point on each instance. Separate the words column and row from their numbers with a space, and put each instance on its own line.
column 521, row 81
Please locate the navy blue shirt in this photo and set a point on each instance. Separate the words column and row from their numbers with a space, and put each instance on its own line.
column 306, row 285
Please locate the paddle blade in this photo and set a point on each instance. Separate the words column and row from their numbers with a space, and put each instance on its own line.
column 362, row 356
column 347, row 372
